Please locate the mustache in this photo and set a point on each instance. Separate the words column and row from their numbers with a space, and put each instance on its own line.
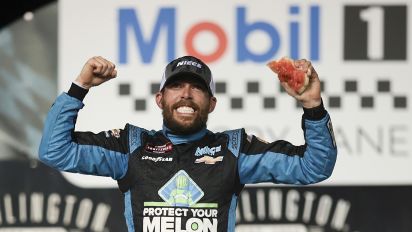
column 186, row 103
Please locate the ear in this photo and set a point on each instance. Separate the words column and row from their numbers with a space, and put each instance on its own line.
column 212, row 105
column 159, row 97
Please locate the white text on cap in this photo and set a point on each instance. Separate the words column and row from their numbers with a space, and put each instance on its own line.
column 188, row 62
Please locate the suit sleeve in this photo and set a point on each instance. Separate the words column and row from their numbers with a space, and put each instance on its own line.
column 103, row 154
column 283, row 162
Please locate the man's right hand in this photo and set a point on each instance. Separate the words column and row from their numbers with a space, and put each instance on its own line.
column 96, row 71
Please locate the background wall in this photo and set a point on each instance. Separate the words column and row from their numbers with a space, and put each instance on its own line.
column 359, row 48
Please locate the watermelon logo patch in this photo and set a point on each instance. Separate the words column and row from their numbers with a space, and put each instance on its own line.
column 181, row 191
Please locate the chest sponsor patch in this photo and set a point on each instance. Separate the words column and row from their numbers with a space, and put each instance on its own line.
column 209, row 160
column 206, row 150
column 181, row 190
column 157, row 159
column 159, row 149
column 180, row 209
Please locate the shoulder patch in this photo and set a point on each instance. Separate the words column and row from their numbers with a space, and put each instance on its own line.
column 234, row 140
column 332, row 134
column 113, row 133
column 135, row 137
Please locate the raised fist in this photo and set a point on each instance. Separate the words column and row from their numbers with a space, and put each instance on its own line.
column 96, row 71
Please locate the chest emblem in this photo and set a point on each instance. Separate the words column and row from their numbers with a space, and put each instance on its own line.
column 209, row 159
column 206, row 150
column 181, row 191
column 159, row 149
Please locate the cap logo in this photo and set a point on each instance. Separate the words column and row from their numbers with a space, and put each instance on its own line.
column 188, row 62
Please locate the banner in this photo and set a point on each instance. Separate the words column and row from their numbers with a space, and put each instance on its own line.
column 359, row 49
column 38, row 198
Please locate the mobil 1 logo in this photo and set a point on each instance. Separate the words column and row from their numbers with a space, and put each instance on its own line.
column 375, row 32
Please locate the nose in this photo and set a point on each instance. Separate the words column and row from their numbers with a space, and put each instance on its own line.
column 186, row 92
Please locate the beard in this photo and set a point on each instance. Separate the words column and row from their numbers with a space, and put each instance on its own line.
column 186, row 127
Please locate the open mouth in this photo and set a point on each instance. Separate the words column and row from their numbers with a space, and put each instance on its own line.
column 185, row 110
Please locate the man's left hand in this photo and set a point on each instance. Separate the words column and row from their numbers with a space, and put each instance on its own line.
column 311, row 96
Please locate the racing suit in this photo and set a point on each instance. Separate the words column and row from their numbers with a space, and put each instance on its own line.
column 184, row 183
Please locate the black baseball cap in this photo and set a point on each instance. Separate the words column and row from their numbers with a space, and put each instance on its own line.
column 188, row 66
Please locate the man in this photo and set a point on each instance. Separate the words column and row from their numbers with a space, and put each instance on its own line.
column 185, row 177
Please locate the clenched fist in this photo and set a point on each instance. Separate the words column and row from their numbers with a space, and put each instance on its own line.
column 96, row 71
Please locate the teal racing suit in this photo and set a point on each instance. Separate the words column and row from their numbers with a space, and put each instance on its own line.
column 184, row 183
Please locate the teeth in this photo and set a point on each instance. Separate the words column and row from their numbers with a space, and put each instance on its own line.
column 185, row 110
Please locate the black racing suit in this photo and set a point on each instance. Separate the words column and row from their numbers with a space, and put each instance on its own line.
column 184, row 183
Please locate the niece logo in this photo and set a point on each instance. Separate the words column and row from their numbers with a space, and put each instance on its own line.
column 290, row 39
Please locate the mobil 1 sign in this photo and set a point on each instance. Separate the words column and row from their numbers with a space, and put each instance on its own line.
column 375, row 32
column 359, row 48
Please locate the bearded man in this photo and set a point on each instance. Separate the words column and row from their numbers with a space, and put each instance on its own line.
column 185, row 177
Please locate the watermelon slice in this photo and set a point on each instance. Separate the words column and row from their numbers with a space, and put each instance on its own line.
column 297, row 79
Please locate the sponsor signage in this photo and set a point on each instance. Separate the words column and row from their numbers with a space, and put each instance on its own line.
column 38, row 198
column 359, row 48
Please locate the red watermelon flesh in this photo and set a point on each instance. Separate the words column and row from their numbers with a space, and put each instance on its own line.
column 287, row 72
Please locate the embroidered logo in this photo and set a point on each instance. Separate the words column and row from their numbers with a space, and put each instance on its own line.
column 157, row 159
column 207, row 150
column 115, row 133
column 181, row 191
column 209, row 159
column 159, row 148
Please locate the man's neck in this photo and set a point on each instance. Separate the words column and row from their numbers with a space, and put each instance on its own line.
column 179, row 139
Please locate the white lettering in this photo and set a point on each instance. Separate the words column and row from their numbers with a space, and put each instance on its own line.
column 157, row 159
column 294, row 200
column 83, row 216
column 275, row 204
column 158, row 212
column 188, row 62
column 38, row 208
column 194, row 225
column 195, row 213
column 100, row 217
column 260, row 201
column 8, row 210
column 204, row 212
column 68, row 211
column 161, row 220
column 247, row 208
column 36, row 214
column 145, row 211
column 340, row 215
column 324, row 208
column 209, row 225
column 53, row 208
column 22, row 207
column 179, row 212
column 178, row 226
column 307, row 209
column 292, row 207
column 167, row 224
column 151, row 226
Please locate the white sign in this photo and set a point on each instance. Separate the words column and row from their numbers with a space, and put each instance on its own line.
column 359, row 48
